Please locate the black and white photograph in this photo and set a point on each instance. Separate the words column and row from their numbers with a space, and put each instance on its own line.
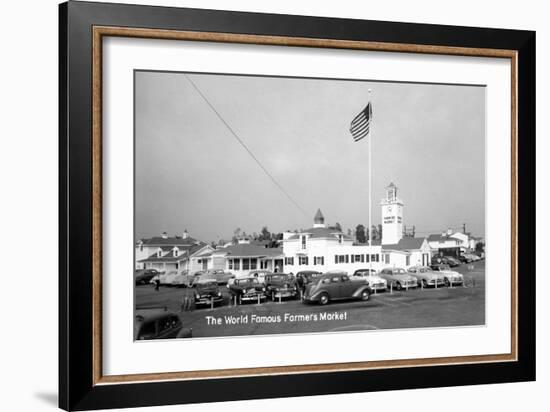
column 287, row 205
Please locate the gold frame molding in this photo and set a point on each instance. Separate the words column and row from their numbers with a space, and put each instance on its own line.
column 102, row 31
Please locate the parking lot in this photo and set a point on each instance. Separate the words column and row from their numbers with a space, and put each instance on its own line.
column 415, row 308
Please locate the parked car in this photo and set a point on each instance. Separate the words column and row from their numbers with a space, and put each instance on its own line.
column 445, row 260
column 305, row 277
column 260, row 274
column 221, row 276
column 398, row 278
column 369, row 276
column 247, row 289
column 472, row 257
column 335, row 286
column 159, row 323
column 207, row 291
column 280, row 285
column 426, row 276
column 451, row 277
column 144, row 276
column 183, row 279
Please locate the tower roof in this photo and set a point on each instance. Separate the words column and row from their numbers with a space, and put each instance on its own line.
column 319, row 218
column 390, row 185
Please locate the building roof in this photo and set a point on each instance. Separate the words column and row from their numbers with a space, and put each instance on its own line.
column 168, row 241
column 169, row 256
column 406, row 243
column 438, row 238
column 249, row 250
column 320, row 232
column 318, row 218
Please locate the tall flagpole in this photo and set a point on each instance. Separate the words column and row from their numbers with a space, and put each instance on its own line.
column 370, row 187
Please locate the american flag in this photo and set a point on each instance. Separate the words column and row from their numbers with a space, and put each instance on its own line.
column 360, row 125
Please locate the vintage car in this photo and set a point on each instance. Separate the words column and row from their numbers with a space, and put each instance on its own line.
column 398, row 278
column 471, row 256
column 165, row 278
column 335, row 286
column 183, row 279
column 305, row 277
column 207, row 292
column 260, row 274
column 445, row 260
column 280, row 285
column 426, row 277
column 369, row 276
column 144, row 276
column 159, row 323
column 247, row 289
column 451, row 277
column 221, row 276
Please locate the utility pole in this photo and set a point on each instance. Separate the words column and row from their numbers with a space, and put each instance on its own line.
column 464, row 228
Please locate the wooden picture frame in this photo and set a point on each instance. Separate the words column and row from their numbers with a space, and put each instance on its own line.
column 82, row 27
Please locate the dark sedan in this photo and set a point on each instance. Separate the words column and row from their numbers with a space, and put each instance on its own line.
column 144, row 276
column 305, row 277
column 335, row 286
column 280, row 285
column 207, row 292
column 158, row 323
column 247, row 289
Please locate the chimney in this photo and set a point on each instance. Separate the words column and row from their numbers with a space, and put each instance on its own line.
column 164, row 235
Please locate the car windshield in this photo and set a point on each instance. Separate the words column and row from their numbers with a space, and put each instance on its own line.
column 399, row 271
column 246, row 281
column 444, row 267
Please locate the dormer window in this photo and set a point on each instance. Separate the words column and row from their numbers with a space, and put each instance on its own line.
column 159, row 253
column 304, row 242
column 340, row 239
column 176, row 252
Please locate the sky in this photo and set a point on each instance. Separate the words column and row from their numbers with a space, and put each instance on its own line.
column 192, row 174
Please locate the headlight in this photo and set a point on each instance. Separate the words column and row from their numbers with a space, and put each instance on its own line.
column 263, row 289
column 219, row 293
column 197, row 296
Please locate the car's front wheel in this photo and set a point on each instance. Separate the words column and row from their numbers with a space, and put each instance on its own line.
column 323, row 299
column 424, row 283
column 447, row 282
column 365, row 295
column 398, row 286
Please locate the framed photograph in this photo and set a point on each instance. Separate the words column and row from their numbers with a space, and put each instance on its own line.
column 256, row 205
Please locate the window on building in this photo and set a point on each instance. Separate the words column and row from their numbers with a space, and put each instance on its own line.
column 319, row 260
column 358, row 258
column 342, row 258
column 236, row 264
column 367, row 258
column 335, row 258
column 352, row 258
column 408, row 261
column 375, row 257
column 253, row 264
column 387, row 258
column 246, row 264
column 347, row 258
column 230, row 264
column 362, row 258
column 289, row 261
column 303, row 260
column 340, row 238
column 176, row 252
column 304, row 240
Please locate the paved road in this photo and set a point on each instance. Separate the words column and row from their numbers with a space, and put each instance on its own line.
column 456, row 306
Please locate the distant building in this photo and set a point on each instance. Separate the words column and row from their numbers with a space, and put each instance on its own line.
column 166, row 253
column 325, row 248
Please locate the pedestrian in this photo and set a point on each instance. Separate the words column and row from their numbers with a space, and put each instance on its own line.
column 276, row 268
column 157, row 284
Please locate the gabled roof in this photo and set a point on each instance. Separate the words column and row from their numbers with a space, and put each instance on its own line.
column 320, row 232
column 249, row 250
column 169, row 256
column 407, row 243
column 168, row 241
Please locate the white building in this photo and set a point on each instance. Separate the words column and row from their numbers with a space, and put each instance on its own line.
column 166, row 253
column 325, row 248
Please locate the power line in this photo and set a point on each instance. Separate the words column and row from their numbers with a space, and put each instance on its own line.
column 244, row 145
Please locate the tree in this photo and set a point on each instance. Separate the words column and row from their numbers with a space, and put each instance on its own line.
column 379, row 232
column 480, row 247
column 264, row 234
column 360, row 234
column 236, row 234
column 374, row 232
column 338, row 227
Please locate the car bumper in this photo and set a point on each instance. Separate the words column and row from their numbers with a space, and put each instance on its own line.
column 251, row 297
column 208, row 301
column 283, row 293
column 378, row 286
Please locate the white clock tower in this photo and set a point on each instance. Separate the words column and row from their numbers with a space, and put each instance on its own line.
column 392, row 216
